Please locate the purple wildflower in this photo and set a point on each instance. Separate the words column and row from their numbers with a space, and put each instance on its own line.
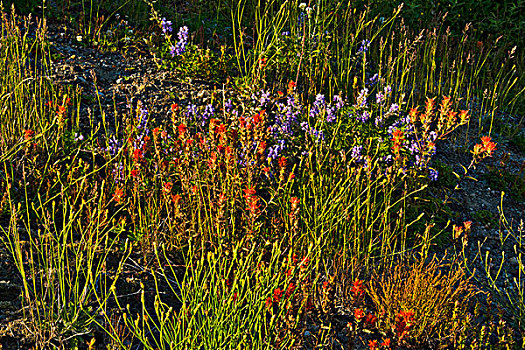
column 180, row 46
column 433, row 174
column 356, row 153
column 363, row 118
column 365, row 44
column 166, row 26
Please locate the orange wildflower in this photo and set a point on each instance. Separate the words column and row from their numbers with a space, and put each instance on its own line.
column 277, row 295
column 118, row 196
column 359, row 314
column 28, row 134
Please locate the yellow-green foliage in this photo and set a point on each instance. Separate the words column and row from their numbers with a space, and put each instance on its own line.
column 437, row 293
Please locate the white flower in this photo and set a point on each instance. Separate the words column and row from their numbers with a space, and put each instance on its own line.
column 309, row 10
column 79, row 37
column 302, row 5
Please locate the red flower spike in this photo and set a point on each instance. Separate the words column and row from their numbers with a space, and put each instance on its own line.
column 182, row 129
column 166, row 188
column 282, row 162
column 137, row 155
column 386, row 343
column 359, row 314
column 249, row 191
column 371, row 320
column 61, row 110
column 289, row 290
column 277, row 295
column 118, row 196
column 28, row 134
column 357, row 288
column 269, row 302
column 372, row 344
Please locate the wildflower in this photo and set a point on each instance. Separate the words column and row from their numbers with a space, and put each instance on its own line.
column 61, row 110
column 467, row 225
column 371, row 319
column 357, row 288
column 182, row 129
column 166, row 188
column 269, row 302
column 463, row 116
column 372, row 344
column 253, row 205
column 289, row 290
column 175, row 198
column 248, row 192
column 174, row 107
column 385, row 343
column 137, row 155
column 326, row 285
column 359, row 314
column 277, row 295
column 280, row 94
column 403, row 323
column 291, row 86
column 433, row 174
column 282, row 162
column 180, row 46
column 118, row 196
column 28, row 134
column 304, row 262
column 135, row 173
column 166, row 26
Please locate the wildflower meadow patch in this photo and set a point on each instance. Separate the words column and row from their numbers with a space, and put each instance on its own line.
column 259, row 175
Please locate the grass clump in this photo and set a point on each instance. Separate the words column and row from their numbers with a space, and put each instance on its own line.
column 421, row 302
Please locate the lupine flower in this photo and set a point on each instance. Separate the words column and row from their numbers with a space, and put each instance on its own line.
column 356, row 153
column 393, row 108
column 180, row 46
column 361, row 98
column 365, row 44
column 339, row 103
column 363, row 117
column 380, row 97
column 228, row 106
column 166, row 26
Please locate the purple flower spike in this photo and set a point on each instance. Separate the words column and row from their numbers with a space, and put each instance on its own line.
column 166, row 26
